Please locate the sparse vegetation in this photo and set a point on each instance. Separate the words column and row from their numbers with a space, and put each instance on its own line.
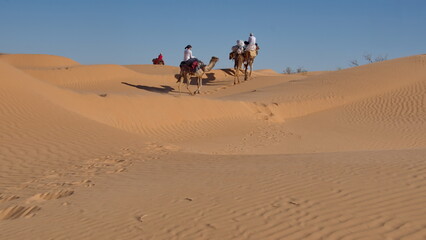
column 289, row 70
column 301, row 70
column 381, row 58
column 354, row 63
column 369, row 58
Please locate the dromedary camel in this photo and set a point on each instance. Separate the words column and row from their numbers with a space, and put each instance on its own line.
column 248, row 61
column 238, row 64
column 157, row 61
column 186, row 72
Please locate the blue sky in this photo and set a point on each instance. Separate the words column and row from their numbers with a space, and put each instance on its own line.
column 313, row 34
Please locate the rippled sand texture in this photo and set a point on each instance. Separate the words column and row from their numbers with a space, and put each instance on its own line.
column 116, row 152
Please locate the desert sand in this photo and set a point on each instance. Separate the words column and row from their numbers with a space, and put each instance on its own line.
column 116, row 152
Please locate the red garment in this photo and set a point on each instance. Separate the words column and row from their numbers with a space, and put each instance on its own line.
column 160, row 57
column 194, row 65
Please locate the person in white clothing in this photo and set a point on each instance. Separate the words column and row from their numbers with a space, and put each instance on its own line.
column 239, row 48
column 188, row 53
column 251, row 43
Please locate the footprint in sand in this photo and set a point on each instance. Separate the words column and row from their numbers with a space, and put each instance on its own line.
column 51, row 195
column 160, row 147
column 140, row 218
column 86, row 183
column 7, row 198
column 14, row 212
column 116, row 170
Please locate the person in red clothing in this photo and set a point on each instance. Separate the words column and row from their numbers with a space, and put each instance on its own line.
column 159, row 60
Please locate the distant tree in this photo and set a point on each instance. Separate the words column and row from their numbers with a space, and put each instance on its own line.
column 368, row 57
column 288, row 70
column 354, row 63
column 300, row 70
column 381, row 58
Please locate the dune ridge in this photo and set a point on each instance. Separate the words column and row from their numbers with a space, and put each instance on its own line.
column 37, row 61
column 328, row 90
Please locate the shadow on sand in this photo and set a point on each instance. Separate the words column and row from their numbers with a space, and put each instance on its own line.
column 164, row 89
column 231, row 72
column 206, row 81
column 228, row 71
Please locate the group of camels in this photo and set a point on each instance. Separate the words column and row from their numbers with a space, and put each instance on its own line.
column 245, row 58
column 186, row 72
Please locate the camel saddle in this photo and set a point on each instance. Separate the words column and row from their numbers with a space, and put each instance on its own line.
column 157, row 61
column 253, row 53
column 192, row 63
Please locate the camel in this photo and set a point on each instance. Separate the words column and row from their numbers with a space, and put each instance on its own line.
column 186, row 72
column 238, row 63
column 248, row 61
column 157, row 61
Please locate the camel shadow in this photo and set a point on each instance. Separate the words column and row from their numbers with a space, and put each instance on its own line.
column 228, row 71
column 164, row 89
column 231, row 72
column 206, row 81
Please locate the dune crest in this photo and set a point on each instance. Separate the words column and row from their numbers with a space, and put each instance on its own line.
column 37, row 61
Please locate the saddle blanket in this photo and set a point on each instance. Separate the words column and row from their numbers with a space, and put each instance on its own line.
column 253, row 53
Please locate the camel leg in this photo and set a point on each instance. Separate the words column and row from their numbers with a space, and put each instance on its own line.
column 188, row 82
column 235, row 71
column 246, row 62
column 236, row 76
column 245, row 72
column 199, row 84
column 180, row 82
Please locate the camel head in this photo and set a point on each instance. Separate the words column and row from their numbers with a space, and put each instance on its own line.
column 232, row 55
column 212, row 62
column 214, row 59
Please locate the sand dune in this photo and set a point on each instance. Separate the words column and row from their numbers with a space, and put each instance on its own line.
column 37, row 61
column 94, row 78
column 116, row 152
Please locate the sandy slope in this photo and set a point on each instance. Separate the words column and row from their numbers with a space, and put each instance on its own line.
column 115, row 152
column 38, row 61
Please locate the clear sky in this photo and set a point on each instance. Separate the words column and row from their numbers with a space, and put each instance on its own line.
column 313, row 34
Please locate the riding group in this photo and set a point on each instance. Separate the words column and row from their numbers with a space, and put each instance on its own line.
column 242, row 53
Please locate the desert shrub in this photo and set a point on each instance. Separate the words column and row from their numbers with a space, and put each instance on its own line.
column 300, row 70
column 289, row 70
column 369, row 58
